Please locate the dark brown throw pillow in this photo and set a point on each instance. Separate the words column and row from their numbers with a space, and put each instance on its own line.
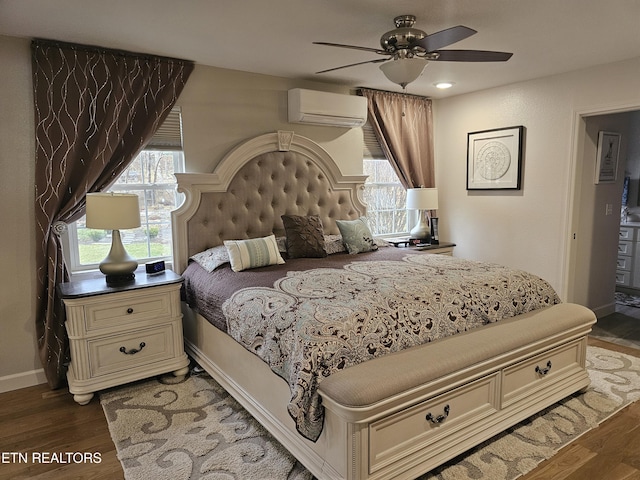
column 305, row 236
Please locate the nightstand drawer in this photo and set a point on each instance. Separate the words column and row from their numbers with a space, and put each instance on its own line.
column 126, row 309
column 120, row 352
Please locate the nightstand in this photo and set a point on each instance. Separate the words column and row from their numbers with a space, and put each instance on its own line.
column 119, row 334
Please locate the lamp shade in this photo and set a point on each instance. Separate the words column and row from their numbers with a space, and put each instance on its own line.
column 403, row 71
column 112, row 211
column 422, row 199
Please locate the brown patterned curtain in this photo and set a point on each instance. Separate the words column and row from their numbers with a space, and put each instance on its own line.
column 403, row 125
column 95, row 109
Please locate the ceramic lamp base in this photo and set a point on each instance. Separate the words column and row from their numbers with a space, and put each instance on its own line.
column 118, row 263
column 421, row 233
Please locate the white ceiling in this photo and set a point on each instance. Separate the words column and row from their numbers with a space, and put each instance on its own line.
column 274, row 37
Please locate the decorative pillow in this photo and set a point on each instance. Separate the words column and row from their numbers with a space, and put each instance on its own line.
column 305, row 237
column 356, row 235
column 282, row 244
column 253, row 253
column 212, row 258
column 334, row 244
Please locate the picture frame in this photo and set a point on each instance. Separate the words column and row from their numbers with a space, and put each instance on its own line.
column 494, row 159
column 607, row 157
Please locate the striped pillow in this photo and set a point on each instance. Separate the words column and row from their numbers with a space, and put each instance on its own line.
column 253, row 253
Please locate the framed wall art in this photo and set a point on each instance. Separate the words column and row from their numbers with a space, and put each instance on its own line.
column 607, row 159
column 494, row 159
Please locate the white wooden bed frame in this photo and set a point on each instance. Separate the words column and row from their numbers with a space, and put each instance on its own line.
column 397, row 416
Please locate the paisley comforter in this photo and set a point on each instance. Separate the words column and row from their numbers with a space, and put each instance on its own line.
column 312, row 322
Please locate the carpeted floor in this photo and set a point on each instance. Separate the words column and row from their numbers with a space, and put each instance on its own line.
column 195, row 430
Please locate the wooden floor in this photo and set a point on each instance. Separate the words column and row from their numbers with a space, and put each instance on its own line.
column 38, row 421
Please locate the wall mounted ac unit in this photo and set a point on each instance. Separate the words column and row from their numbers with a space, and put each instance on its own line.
column 323, row 108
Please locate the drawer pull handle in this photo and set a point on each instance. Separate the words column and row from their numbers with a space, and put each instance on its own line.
column 129, row 310
column 544, row 371
column 439, row 418
column 133, row 351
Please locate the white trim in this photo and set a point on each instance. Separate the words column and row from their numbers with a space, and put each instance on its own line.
column 17, row 381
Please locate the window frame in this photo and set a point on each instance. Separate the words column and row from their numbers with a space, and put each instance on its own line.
column 372, row 151
column 373, row 214
column 168, row 138
column 71, row 243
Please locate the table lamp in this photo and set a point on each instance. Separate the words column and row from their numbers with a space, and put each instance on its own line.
column 423, row 200
column 114, row 211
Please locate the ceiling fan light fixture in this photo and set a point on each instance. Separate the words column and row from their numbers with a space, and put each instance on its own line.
column 403, row 71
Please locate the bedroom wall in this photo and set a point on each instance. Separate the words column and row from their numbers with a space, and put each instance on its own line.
column 19, row 364
column 531, row 228
column 222, row 108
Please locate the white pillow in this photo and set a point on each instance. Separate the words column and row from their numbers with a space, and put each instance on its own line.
column 212, row 258
column 253, row 253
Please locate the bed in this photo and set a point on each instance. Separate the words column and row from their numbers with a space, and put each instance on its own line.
column 376, row 409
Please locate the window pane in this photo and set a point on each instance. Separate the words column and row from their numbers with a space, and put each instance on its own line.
column 385, row 197
column 150, row 176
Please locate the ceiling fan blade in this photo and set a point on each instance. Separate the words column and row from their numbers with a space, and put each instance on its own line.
column 378, row 60
column 353, row 47
column 472, row 56
column 444, row 38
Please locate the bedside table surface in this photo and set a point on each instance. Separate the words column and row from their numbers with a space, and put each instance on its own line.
column 98, row 285
column 403, row 242
column 434, row 246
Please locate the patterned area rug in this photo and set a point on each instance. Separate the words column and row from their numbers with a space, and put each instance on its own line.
column 629, row 300
column 195, row 430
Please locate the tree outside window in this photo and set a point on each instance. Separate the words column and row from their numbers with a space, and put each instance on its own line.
column 386, row 198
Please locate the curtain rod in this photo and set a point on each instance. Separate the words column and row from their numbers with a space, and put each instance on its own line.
column 396, row 93
column 96, row 49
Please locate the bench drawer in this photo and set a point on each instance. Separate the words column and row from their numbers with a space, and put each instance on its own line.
column 405, row 433
column 536, row 373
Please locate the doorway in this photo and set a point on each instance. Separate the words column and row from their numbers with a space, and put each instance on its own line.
column 591, row 252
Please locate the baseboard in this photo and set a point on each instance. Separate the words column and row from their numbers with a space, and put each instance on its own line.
column 22, row 380
column 605, row 310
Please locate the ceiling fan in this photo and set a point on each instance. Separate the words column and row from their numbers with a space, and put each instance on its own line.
column 408, row 50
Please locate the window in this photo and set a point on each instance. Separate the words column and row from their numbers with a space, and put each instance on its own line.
column 384, row 195
column 150, row 176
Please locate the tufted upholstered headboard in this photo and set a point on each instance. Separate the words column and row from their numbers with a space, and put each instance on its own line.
column 257, row 182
